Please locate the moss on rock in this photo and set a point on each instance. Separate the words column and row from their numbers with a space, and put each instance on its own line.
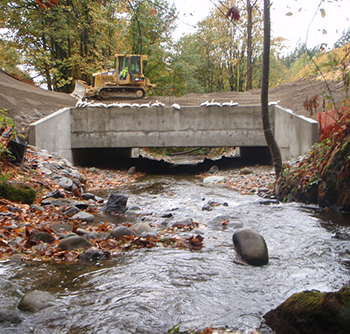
column 17, row 192
column 312, row 312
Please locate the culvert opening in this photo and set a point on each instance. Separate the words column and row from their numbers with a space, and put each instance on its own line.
column 144, row 160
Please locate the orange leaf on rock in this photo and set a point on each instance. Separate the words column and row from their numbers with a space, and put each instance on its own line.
column 103, row 227
column 55, row 242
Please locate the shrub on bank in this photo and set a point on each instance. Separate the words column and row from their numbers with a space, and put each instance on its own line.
column 322, row 176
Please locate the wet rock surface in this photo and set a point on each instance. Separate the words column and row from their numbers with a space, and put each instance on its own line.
column 91, row 255
column 122, row 231
column 312, row 312
column 116, row 203
column 251, row 246
column 35, row 301
column 74, row 242
column 10, row 316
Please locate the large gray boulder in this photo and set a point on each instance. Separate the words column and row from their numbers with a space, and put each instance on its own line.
column 116, row 203
column 251, row 246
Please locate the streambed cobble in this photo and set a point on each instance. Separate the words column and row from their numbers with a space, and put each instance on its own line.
column 67, row 201
column 258, row 180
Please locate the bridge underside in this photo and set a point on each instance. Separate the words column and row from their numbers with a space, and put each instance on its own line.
column 120, row 157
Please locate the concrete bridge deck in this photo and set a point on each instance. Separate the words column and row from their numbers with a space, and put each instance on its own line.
column 73, row 130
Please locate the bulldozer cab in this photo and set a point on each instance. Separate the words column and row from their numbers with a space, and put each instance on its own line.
column 130, row 68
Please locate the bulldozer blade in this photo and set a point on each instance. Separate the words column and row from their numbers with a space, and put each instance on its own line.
column 79, row 90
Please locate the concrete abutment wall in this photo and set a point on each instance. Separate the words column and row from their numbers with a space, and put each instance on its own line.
column 53, row 133
column 92, row 133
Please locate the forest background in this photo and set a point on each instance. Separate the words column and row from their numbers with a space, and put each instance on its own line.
column 65, row 40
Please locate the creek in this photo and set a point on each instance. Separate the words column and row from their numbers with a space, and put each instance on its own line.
column 149, row 291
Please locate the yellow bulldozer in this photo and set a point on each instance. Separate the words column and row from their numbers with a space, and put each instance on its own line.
column 125, row 80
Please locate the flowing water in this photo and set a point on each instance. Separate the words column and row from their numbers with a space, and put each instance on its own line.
column 152, row 290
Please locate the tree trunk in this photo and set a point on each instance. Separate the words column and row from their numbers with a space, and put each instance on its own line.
column 230, row 76
column 270, row 139
column 47, row 69
column 45, row 48
column 249, row 46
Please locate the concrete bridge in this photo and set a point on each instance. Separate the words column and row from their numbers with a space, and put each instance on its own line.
column 83, row 135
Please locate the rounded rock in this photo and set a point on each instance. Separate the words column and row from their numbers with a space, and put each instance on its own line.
column 122, row 231
column 36, row 300
column 84, row 216
column 251, row 246
column 91, row 255
column 143, row 229
column 42, row 236
column 74, row 242
column 65, row 183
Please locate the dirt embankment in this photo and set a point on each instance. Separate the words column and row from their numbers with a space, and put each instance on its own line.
column 26, row 103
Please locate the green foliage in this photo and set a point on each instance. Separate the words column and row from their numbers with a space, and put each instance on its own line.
column 300, row 50
column 300, row 181
column 300, row 62
column 6, row 121
column 73, row 39
column 66, row 42
column 10, row 59
column 151, row 25
column 213, row 58
column 149, row 33
column 4, row 177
